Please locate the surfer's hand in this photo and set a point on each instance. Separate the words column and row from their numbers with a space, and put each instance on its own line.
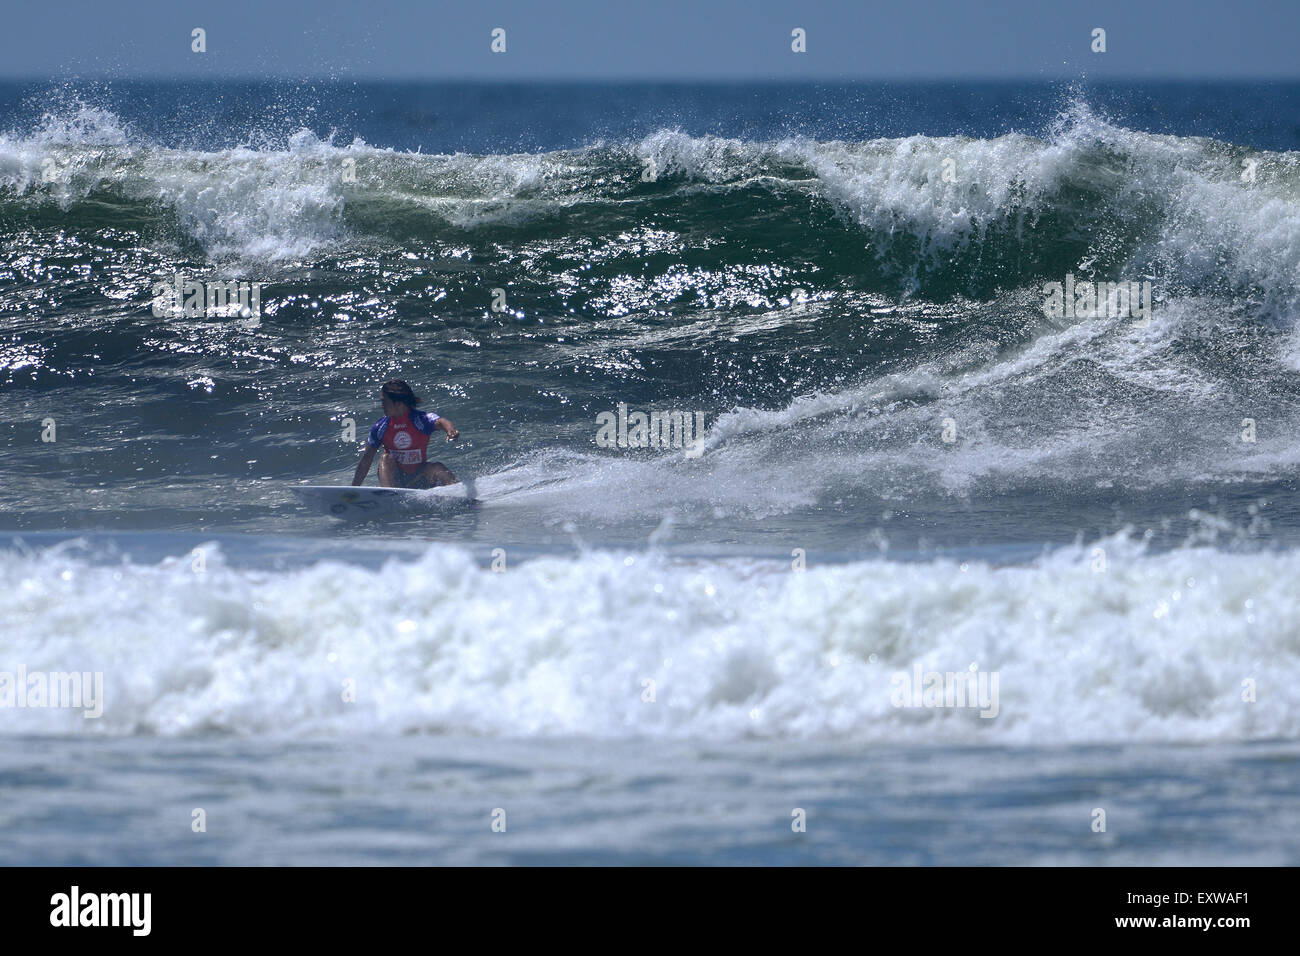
column 452, row 433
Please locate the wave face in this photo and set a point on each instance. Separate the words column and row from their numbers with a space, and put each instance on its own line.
column 1150, row 647
column 920, row 215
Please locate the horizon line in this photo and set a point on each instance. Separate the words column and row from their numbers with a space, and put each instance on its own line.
column 648, row 79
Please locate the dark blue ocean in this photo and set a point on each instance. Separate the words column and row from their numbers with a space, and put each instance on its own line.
column 902, row 459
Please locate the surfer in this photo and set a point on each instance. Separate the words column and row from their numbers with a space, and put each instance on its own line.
column 403, row 433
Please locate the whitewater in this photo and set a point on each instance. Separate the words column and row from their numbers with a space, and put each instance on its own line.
column 1131, row 647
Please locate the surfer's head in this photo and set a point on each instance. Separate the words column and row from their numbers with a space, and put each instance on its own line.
column 397, row 393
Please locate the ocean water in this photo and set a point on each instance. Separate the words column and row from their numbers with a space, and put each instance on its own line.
column 906, row 468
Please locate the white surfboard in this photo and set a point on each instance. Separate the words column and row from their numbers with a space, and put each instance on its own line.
column 356, row 501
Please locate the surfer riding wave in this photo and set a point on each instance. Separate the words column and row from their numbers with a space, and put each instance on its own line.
column 403, row 434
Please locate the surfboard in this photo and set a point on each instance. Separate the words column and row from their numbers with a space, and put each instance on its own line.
column 355, row 501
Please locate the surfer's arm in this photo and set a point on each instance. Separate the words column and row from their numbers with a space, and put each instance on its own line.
column 363, row 466
column 446, row 425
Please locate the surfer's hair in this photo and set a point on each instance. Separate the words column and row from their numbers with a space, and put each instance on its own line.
column 398, row 391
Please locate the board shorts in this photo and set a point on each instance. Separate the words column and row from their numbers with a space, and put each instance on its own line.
column 412, row 479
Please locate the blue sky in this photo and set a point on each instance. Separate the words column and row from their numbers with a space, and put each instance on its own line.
column 660, row 39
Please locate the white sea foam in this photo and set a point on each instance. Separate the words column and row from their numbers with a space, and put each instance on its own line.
column 1155, row 647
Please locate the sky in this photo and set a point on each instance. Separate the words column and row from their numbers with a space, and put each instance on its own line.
column 603, row 40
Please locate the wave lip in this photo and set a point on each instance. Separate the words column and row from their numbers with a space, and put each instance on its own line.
column 1154, row 647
